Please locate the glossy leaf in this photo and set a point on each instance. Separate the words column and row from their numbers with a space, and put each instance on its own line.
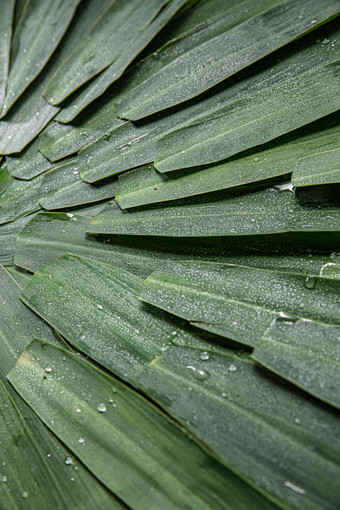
column 63, row 187
column 262, row 30
column 145, row 185
column 74, row 485
column 126, row 439
column 239, row 302
column 320, row 165
column 96, row 87
column 306, row 92
column 306, row 353
column 27, row 480
column 29, row 163
column 50, row 235
column 19, row 199
column 113, row 32
column 275, row 436
column 38, row 31
column 7, row 12
column 270, row 211
column 8, row 237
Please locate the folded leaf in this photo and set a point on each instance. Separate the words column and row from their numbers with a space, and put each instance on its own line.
column 96, row 87
column 8, row 237
column 29, row 163
column 306, row 353
column 50, row 235
column 113, row 32
column 264, row 429
column 19, row 199
column 74, row 484
column 20, row 276
column 38, row 31
column 270, row 211
column 239, row 302
column 253, row 119
column 28, row 479
column 7, row 12
column 145, row 185
column 124, row 440
column 262, row 30
column 62, row 187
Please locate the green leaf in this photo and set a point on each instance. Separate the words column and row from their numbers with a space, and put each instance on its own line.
column 18, row 324
column 145, row 185
column 7, row 12
column 273, row 210
column 296, row 91
column 19, row 199
column 239, row 302
column 331, row 268
column 27, row 118
column 135, row 144
column 306, row 353
column 75, row 485
column 20, row 276
column 50, row 235
column 29, row 480
column 77, row 294
column 8, row 237
column 267, row 431
column 29, row 163
column 62, row 187
column 5, row 178
column 126, row 444
column 96, row 87
column 38, row 31
column 320, row 165
column 113, row 32
column 262, row 30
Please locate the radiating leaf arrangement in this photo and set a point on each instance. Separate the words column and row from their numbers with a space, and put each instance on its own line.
column 169, row 249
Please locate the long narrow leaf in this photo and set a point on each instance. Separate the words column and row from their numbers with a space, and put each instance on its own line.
column 7, row 12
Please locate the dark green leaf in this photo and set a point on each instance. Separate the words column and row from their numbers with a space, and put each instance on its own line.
column 264, row 27
column 113, row 32
column 62, row 187
column 8, row 237
column 38, row 31
column 275, row 436
column 7, row 12
column 101, row 83
column 306, row 353
column 126, row 439
column 19, row 199
column 29, row 163
column 298, row 90
column 50, row 235
column 269, row 211
column 239, row 302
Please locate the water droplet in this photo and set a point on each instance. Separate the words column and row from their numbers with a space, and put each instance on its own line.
column 199, row 374
column 78, row 410
column 68, row 461
column 325, row 41
column 71, row 216
column 81, row 440
column 48, row 369
column 72, row 479
column 310, row 282
column 313, row 21
column 100, row 307
column 89, row 159
column 256, row 159
column 285, row 317
column 297, row 421
column 232, row 368
column 204, row 356
column 75, row 172
column 24, row 494
column 4, row 479
column 223, row 394
column 155, row 55
column 49, row 455
column 101, row 408
column 294, row 488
